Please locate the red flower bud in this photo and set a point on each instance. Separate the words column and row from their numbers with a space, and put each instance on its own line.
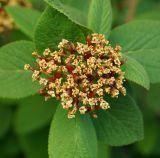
column 92, row 94
column 69, row 67
column 88, row 39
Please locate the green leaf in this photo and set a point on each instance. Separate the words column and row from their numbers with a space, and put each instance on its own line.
column 95, row 15
column 34, row 113
column 78, row 5
column 34, row 145
column 100, row 16
column 53, row 27
column 15, row 82
column 75, row 11
column 135, row 72
column 5, row 120
column 103, row 151
column 25, row 18
column 136, row 35
column 38, row 4
column 150, row 59
column 120, row 125
column 72, row 137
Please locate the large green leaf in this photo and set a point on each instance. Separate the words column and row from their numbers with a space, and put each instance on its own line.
column 136, row 35
column 5, row 120
column 95, row 15
column 53, row 26
column 135, row 72
column 120, row 125
column 24, row 18
column 34, row 113
column 75, row 11
column 150, row 59
column 77, row 5
column 100, row 16
column 72, row 137
column 15, row 82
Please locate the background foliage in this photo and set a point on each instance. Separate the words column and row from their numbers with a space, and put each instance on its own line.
column 25, row 118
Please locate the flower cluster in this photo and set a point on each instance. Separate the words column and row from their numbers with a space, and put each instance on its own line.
column 5, row 20
column 80, row 75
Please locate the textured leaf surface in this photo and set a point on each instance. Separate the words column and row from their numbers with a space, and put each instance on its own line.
column 100, row 16
column 120, row 125
column 135, row 72
column 142, row 34
column 26, row 19
column 77, row 5
column 34, row 113
column 95, row 15
column 77, row 12
column 15, row 82
column 5, row 120
column 53, row 27
column 150, row 59
column 72, row 137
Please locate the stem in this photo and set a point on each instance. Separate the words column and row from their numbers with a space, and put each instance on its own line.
column 132, row 5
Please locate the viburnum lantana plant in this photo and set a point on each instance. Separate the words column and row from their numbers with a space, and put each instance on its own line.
column 80, row 69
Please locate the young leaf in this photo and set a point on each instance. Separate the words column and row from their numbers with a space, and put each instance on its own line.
column 150, row 59
column 34, row 113
column 53, row 26
column 25, row 18
column 135, row 72
column 136, row 35
column 5, row 120
column 72, row 137
column 120, row 125
column 100, row 16
column 15, row 82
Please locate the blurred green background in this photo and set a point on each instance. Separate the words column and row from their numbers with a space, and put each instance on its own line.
column 24, row 124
